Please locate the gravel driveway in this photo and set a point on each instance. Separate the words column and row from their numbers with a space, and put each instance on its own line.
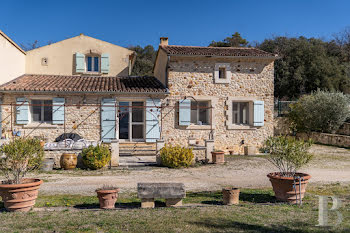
column 330, row 165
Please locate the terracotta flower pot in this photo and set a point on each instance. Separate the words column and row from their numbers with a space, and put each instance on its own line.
column 218, row 157
column 230, row 196
column 107, row 198
column 69, row 161
column 20, row 197
column 283, row 187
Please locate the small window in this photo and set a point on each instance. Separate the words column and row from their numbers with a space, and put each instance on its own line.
column 222, row 73
column 200, row 112
column 42, row 111
column 92, row 64
column 240, row 113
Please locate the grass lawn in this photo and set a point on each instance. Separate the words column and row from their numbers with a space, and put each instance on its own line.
column 204, row 212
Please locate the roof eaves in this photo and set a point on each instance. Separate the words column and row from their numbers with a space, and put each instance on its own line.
column 12, row 42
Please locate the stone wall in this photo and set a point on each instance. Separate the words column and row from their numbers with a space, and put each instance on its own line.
column 344, row 129
column 251, row 79
column 327, row 139
column 83, row 119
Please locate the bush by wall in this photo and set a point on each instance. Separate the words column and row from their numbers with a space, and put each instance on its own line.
column 176, row 156
column 96, row 157
column 320, row 111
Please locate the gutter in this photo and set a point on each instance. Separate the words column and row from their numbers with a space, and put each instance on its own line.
column 85, row 92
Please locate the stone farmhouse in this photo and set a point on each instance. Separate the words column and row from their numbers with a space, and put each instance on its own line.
column 83, row 85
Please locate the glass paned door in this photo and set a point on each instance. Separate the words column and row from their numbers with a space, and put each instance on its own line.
column 132, row 121
column 123, row 120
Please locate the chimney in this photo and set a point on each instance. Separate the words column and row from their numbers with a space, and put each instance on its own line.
column 164, row 41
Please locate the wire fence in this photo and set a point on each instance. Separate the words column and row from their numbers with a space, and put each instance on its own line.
column 282, row 108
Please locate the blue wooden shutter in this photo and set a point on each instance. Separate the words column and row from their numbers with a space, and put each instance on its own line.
column 58, row 111
column 108, row 117
column 152, row 120
column 22, row 109
column 259, row 113
column 79, row 63
column 105, row 63
column 185, row 112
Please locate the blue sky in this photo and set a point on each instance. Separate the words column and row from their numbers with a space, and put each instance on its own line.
column 188, row 22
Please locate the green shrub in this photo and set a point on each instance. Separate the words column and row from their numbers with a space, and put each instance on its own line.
column 176, row 156
column 21, row 155
column 287, row 153
column 96, row 157
column 320, row 111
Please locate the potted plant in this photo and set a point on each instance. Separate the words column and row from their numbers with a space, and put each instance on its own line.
column 107, row 196
column 218, row 156
column 288, row 155
column 20, row 156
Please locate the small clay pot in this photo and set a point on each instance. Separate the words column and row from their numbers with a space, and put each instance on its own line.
column 284, row 188
column 230, row 196
column 107, row 198
column 20, row 197
column 69, row 161
column 218, row 157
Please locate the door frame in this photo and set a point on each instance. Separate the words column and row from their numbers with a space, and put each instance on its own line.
column 130, row 100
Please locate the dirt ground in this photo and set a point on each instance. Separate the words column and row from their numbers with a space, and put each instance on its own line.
column 330, row 165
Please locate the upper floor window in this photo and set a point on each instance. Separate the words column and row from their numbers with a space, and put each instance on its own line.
column 222, row 73
column 92, row 64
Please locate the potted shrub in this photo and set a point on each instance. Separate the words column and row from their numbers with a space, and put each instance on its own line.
column 96, row 157
column 288, row 155
column 107, row 196
column 218, row 156
column 20, row 156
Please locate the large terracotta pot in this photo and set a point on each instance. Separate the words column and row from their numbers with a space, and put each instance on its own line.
column 230, row 196
column 20, row 197
column 284, row 186
column 69, row 161
column 218, row 157
column 107, row 198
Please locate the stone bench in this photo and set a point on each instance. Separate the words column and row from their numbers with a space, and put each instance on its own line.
column 171, row 192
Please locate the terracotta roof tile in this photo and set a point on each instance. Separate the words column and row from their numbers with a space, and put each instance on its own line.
column 62, row 83
column 215, row 51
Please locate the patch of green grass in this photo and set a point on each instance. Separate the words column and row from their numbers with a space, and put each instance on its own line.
column 258, row 211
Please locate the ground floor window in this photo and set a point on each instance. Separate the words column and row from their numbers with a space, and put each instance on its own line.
column 131, row 120
column 41, row 111
column 240, row 113
column 200, row 112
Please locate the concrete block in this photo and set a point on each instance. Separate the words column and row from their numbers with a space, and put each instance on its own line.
column 147, row 203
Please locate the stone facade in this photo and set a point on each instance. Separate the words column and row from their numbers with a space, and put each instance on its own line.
column 251, row 79
column 83, row 119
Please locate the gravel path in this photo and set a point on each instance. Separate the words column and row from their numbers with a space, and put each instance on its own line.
column 329, row 165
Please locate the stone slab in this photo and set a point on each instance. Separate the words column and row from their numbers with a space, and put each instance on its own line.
column 161, row 190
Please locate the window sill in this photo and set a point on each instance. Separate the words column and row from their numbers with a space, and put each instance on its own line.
column 241, row 127
column 91, row 73
column 39, row 125
column 203, row 127
column 222, row 81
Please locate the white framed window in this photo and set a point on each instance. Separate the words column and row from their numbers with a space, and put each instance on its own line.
column 92, row 63
column 240, row 113
column 222, row 73
column 200, row 112
column 244, row 113
column 41, row 111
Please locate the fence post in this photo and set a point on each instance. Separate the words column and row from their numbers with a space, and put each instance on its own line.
column 114, row 152
column 159, row 146
column 209, row 147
